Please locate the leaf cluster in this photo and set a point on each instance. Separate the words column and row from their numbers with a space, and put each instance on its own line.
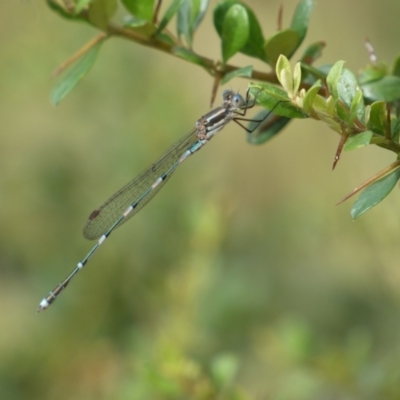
column 362, row 108
column 347, row 107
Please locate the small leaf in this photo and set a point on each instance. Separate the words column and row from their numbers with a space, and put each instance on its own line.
column 272, row 90
column 254, row 46
column 201, row 12
column 324, row 109
column 301, row 18
column 75, row 74
column 171, row 11
column 272, row 124
column 183, row 21
column 62, row 12
column 80, row 5
column 375, row 193
column 310, row 96
column 333, row 78
column 386, row 89
column 245, row 72
column 347, row 87
column 284, row 74
column 314, row 73
column 359, row 140
column 377, row 118
column 319, row 104
column 283, row 42
column 141, row 9
column 219, row 14
column 286, row 80
column 396, row 66
column 190, row 15
column 330, row 106
column 282, row 64
column 313, row 52
column 296, row 78
column 235, row 31
column 101, row 11
column 367, row 115
column 357, row 107
column 268, row 95
column 373, row 72
column 396, row 129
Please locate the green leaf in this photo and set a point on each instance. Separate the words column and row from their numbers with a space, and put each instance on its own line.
column 377, row 117
column 284, row 74
column 63, row 13
column 359, row 140
column 75, row 74
column 373, row 72
column 255, row 43
column 141, row 9
column 190, row 56
column 396, row 129
column 310, row 96
column 183, row 21
column 301, row 18
column 311, row 74
column 296, row 78
column 396, row 66
column 171, row 11
column 313, row 52
column 325, row 110
column 101, row 11
column 386, row 89
column 201, row 12
column 80, row 5
column 375, row 193
column 190, row 15
column 235, row 31
column 272, row 124
column 347, row 87
column 219, row 14
column 269, row 95
column 367, row 114
column 245, row 72
column 333, row 78
column 283, row 42
column 276, row 92
column 320, row 104
column 357, row 107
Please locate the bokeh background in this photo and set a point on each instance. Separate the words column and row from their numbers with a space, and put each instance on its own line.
column 241, row 280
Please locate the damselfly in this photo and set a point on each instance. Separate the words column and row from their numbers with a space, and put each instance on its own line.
column 137, row 193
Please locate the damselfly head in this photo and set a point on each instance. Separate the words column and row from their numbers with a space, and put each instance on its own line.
column 235, row 99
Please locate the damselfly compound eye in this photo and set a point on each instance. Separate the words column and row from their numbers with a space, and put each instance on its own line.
column 237, row 100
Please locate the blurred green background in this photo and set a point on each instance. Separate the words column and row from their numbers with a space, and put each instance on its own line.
column 241, row 280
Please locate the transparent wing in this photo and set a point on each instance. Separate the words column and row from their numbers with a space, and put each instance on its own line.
column 102, row 219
